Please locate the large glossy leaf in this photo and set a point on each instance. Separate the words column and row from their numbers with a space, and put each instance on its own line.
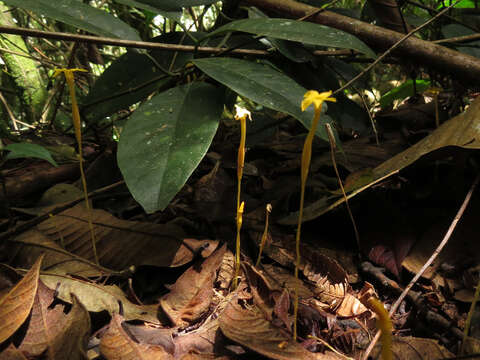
column 262, row 84
column 301, row 31
column 165, row 139
column 78, row 14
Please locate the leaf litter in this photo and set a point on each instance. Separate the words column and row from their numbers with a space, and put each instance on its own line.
column 57, row 299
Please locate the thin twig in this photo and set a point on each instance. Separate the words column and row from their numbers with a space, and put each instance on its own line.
column 18, row 53
column 432, row 258
column 393, row 47
column 333, row 146
column 9, row 112
column 148, row 44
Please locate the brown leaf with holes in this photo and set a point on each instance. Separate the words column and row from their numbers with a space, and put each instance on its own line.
column 116, row 344
column 248, row 327
column 122, row 243
column 192, row 293
column 15, row 305
column 53, row 332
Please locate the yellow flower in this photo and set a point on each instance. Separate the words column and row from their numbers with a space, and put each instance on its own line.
column 316, row 98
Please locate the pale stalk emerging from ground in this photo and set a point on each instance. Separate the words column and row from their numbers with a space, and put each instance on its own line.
column 77, row 124
column 241, row 115
column 317, row 99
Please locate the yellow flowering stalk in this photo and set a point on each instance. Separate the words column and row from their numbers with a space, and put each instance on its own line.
column 317, row 99
column 268, row 210
column 241, row 115
column 77, row 125
column 384, row 324
column 237, row 250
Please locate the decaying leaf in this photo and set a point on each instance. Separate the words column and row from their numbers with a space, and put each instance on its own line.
column 56, row 260
column 226, row 271
column 281, row 278
column 12, row 353
column 206, row 340
column 53, row 332
column 122, row 243
column 192, row 293
column 117, row 344
column 411, row 348
column 97, row 297
column 248, row 327
column 15, row 305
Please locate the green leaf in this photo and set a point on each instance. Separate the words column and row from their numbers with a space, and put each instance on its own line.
column 301, row 31
column 75, row 13
column 134, row 76
column 27, row 150
column 471, row 47
column 291, row 50
column 264, row 85
column 165, row 139
column 464, row 4
column 126, row 81
column 403, row 91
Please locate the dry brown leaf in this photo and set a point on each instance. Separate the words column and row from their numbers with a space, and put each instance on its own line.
column 52, row 332
column 152, row 335
column 262, row 292
column 193, row 356
column 116, row 344
column 411, row 348
column 15, row 306
column 207, row 339
column 122, row 243
column 58, row 262
column 12, row 353
column 192, row 293
column 282, row 305
column 98, row 297
column 281, row 278
column 226, row 271
column 249, row 328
